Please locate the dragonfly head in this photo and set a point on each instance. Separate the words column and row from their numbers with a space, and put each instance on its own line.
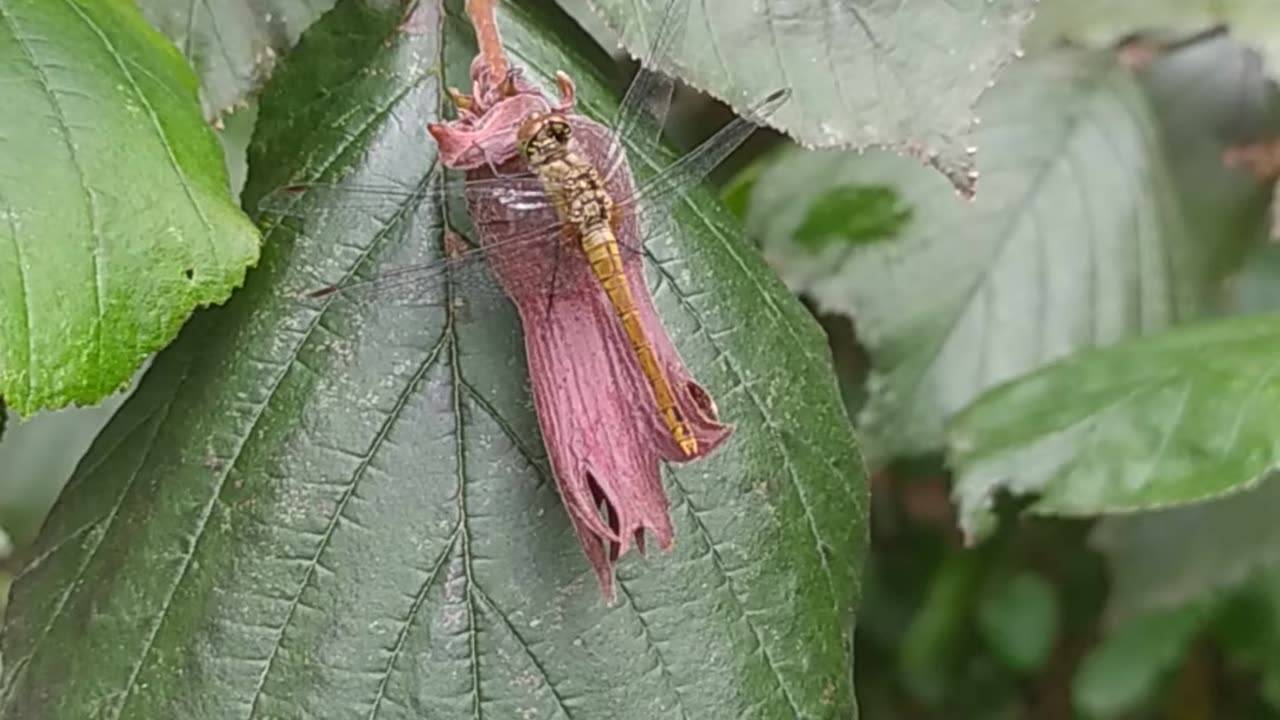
column 543, row 136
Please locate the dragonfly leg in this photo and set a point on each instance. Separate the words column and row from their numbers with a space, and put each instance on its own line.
column 463, row 102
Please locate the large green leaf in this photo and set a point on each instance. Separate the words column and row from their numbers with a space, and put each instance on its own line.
column 1180, row 556
column 1076, row 240
column 343, row 511
column 1174, row 418
column 1100, row 22
column 901, row 75
column 115, row 220
column 233, row 44
column 1172, row 558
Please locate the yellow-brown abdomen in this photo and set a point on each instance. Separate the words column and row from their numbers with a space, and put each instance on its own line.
column 601, row 249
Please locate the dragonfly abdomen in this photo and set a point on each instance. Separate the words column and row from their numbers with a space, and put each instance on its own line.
column 601, row 249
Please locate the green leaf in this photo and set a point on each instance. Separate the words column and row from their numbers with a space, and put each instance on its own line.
column 1173, row 418
column 119, row 222
column 852, row 214
column 1103, row 22
column 891, row 75
column 1258, row 286
column 233, row 44
column 1075, row 240
column 1126, row 669
column 1168, row 559
column 340, row 511
column 1210, row 96
column 932, row 642
column 1018, row 617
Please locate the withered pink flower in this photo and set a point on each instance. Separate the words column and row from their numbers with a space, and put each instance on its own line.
column 602, row 429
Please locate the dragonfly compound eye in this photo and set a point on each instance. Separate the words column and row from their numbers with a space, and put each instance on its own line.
column 560, row 130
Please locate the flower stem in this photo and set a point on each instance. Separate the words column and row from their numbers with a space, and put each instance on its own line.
column 485, row 20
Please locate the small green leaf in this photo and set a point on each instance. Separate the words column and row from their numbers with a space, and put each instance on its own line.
column 736, row 195
column 1018, row 617
column 862, row 74
column 343, row 510
column 233, row 44
column 1126, row 669
column 115, row 219
column 852, row 215
column 1174, row 418
column 932, row 641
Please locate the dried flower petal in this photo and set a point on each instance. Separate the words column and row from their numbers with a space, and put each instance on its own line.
column 598, row 417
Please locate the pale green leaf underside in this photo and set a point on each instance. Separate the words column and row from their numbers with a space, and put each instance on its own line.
column 1171, row 558
column 329, row 510
column 903, row 75
column 1174, row 418
column 1075, row 240
column 1101, row 22
column 234, row 45
column 115, row 220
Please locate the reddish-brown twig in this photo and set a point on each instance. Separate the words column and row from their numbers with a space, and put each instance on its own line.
column 485, row 21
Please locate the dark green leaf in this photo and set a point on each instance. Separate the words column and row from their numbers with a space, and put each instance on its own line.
column 1018, row 617
column 1125, row 670
column 338, row 511
column 863, row 74
column 115, row 221
column 1076, row 239
column 1174, row 418
column 233, row 44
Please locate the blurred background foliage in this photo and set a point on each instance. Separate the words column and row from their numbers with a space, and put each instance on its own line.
column 1127, row 168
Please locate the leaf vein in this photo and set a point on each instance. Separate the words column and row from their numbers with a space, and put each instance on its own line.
column 718, row 563
column 383, row 433
column 155, row 126
column 537, row 664
column 109, row 521
column 403, row 635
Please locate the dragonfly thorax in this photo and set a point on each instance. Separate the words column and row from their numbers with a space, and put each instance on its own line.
column 568, row 176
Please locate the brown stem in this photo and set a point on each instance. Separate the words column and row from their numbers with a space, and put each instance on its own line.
column 485, row 20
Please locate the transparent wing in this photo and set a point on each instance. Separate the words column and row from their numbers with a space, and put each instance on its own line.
column 644, row 107
column 465, row 268
column 461, row 272
column 653, row 196
column 305, row 199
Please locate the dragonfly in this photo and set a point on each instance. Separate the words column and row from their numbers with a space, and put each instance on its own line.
column 559, row 192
